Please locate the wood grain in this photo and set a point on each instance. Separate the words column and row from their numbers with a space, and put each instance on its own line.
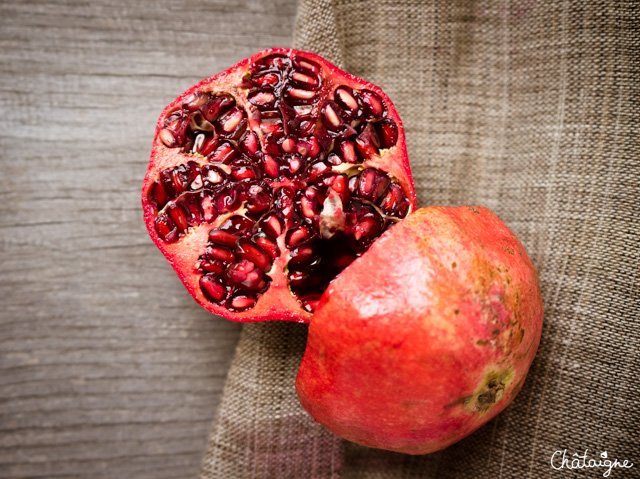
column 108, row 367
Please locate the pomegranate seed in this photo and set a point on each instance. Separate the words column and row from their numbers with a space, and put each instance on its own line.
column 198, row 143
column 267, row 79
column 209, row 146
column 365, row 228
column 263, row 99
column 314, row 148
column 344, row 260
column 243, row 172
column 289, row 145
column 241, row 303
column 306, row 65
column 222, row 237
column 244, row 273
column 194, row 217
column 302, row 255
column 176, row 213
column 250, row 144
column 345, row 96
column 197, row 183
column 225, row 153
column 367, row 183
column 348, row 152
column 294, row 164
column 316, row 170
column 372, row 103
column 168, row 138
column 307, row 207
column 297, row 236
column 220, row 254
column 211, row 288
column 334, row 159
column 271, row 225
column 209, row 212
column 272, row 128
column 310, row 302
column 367, row 142
column 271, row 166
column 166, row 229
column 340, row 185
column 177, row 180
column 284, row 201
column 229, row 200
column 158, row 194
column 269, row 246
column 302, row 94
column 211, row 265
column 195, row 101
column 211, row 111
column 252, row 252
column 387, row 132
column 333, row 121
column 232, row 120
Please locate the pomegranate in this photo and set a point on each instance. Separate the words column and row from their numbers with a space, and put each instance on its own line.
column 267, row 180
column 425, row 337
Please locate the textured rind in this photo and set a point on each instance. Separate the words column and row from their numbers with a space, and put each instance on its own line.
column 427, row 336
column 276, row 303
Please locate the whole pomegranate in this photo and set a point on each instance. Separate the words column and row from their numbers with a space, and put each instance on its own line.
column 425, row 337
column 267, row 180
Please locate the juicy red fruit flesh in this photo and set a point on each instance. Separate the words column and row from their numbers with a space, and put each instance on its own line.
column 277, row 165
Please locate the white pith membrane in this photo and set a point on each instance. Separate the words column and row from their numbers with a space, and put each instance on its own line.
column 277, row 167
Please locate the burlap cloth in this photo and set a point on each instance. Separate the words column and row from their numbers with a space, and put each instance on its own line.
column 531, row 109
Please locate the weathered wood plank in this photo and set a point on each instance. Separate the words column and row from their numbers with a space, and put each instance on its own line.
column 107, row 366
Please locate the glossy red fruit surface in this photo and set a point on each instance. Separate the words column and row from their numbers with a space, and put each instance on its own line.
column 427, row 336
column 267, row 180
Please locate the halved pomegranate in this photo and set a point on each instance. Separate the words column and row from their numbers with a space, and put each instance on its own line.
column 267, row 180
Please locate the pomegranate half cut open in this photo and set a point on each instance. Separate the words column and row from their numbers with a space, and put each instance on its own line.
column 267, row 180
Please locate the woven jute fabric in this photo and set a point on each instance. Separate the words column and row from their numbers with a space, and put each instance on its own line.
column 531, row 109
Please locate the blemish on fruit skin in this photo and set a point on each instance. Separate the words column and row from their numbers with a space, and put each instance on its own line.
column 491, row 390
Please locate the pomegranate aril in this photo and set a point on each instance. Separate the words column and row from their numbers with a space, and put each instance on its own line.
column 232, row 124
column 241, row 303
column 192, row 209
column 343, row 261
column 303, row 255
column 209, row 146
column 224, row 153
column 245, row 274
column 211, row 288
column 373, row 105
column 289, row 145
column 210, row 265
column 300, row 279
column 269, row 246
column 334, row 159
column 271, row 225
column 301, row 96
column 271, row 166
column 239, row 225
column 263, row 99
column 387, row 132
column 331, row 116
column 341, row 186
column 229, row 199
column 250, row 144
column 284, row 201
column 213, row 176
column 306, row 65
column 212, row 109
column 158, row 195
column 297, row 236
column 310, row 302
column 316, row 170
column 345, row 97
column 258, row 199
column 223, row 238
column 244, row 172
column 306, row 80
column 175, row 126
column 347, row 151
column 166, row 229
column 248, row 250
column 195, row 101
column 220, row 254
column 177, row 214
column 208, row 208
column 266, row 79
column 367, row 142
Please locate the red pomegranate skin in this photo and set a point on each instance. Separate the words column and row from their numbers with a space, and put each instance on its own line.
column 427, row 336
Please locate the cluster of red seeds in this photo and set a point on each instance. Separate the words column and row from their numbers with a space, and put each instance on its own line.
column 297, row 173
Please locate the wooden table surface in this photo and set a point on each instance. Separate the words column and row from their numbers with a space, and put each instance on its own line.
column 108, row 368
